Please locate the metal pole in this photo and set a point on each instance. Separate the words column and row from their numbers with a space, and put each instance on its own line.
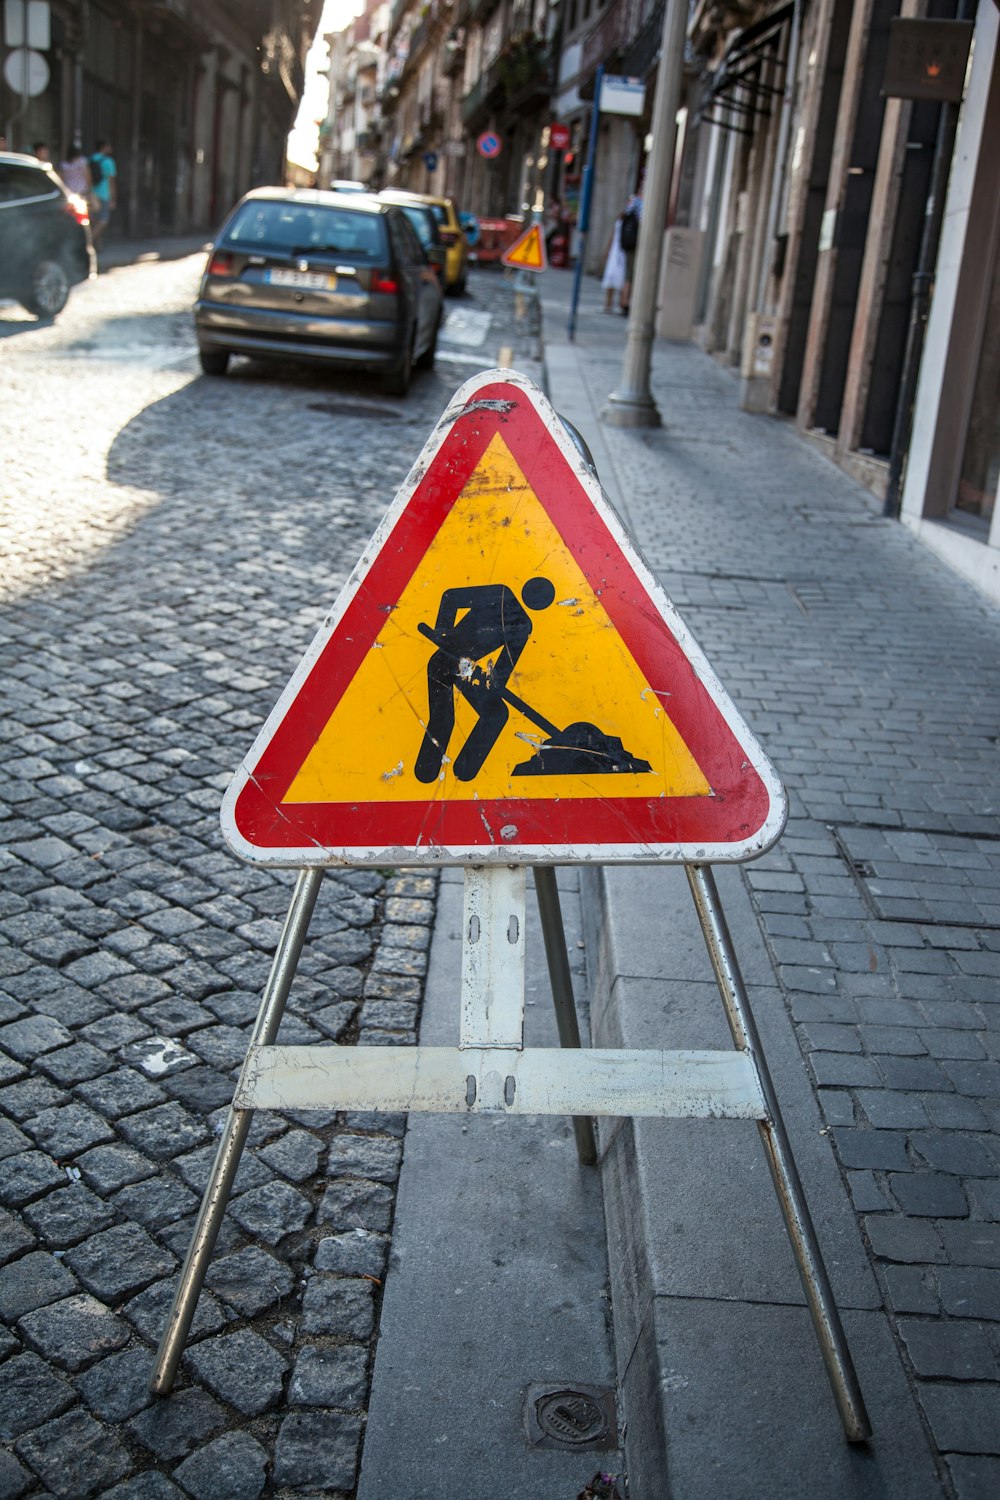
column 561, row 980
column 234, row 1135
column 632, row 404
column 583, row 223
column 808, row 1256
column 19, row 114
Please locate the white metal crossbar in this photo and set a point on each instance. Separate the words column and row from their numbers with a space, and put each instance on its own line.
column 501, row 1080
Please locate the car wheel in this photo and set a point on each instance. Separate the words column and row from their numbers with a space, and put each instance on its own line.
column 214, row 361
column 426, row 360
column 48, row 289
column 396, row 382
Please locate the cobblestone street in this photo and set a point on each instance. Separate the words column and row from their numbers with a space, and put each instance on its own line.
column 171, row 543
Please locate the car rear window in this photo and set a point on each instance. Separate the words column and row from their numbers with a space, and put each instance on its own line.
column 265, row 224
column 423, row 223
column 18, row 182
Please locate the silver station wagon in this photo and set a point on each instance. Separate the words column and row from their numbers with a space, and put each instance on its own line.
column 304, row 274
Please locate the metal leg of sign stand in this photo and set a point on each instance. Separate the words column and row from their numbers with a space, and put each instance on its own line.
column 819, row 1295
column 491, row 1072
column 554, row 935
column 234, row 1135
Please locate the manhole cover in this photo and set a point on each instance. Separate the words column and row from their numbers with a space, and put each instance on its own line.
column 570, row 1417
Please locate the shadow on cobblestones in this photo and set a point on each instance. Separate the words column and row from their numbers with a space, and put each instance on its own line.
column 140, row 662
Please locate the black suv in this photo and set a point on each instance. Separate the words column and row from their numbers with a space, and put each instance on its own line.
column 45, row 244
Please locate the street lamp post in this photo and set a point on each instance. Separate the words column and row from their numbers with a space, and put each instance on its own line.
column 632, row 404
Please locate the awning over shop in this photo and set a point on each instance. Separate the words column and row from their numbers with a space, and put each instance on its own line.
column 741, row 86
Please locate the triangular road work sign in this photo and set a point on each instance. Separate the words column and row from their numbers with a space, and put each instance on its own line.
column 502, row 680
column 527, row 253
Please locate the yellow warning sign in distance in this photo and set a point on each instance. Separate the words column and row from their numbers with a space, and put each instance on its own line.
column 527, row 253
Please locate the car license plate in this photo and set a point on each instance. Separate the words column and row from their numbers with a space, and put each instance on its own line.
column 317, row 280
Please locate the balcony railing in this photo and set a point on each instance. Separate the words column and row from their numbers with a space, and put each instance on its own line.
column 485, row 92
column 527, row 96
column 453, row 53
column 614, row 30
column 481, row 10
column 421, row 36
column 396, row 15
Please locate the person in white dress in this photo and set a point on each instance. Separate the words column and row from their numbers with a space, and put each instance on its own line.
column 615, row 266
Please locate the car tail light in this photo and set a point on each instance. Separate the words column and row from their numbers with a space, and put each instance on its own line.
column 76, row 207
column 385, row 282
column 221, row 264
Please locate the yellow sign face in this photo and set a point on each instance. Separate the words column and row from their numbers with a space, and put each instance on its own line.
column 528, row 252
column 497, row 674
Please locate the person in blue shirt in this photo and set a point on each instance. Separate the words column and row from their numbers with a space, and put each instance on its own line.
column 104, row 190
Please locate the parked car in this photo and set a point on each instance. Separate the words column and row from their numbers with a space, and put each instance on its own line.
column 424, row 221
column 451, row 233
column 45, row 246
column 337, row 277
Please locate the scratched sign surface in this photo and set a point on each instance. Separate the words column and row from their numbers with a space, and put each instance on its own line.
column 502, row 679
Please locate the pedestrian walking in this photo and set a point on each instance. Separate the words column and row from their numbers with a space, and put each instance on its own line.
column 75, row 172
column 41, row 150
column 628, row 235
column 104, row 190
column 615, row 266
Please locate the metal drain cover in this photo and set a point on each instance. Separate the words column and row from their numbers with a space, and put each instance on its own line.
column 570, row 1417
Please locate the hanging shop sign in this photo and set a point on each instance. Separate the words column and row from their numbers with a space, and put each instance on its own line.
column 927, row 59
column 622, row 96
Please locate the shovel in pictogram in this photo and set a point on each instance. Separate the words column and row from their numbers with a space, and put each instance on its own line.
column 579, row 749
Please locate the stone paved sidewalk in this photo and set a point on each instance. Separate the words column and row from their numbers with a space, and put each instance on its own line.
column 871, row 674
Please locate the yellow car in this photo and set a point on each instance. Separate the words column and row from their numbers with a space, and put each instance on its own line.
column 451, row 234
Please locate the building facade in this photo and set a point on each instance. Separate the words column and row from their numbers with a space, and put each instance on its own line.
column 196, row 97
column 831, row 234
column 350, row 139
column 952, row 475
column 828, row 211
column 449, row 73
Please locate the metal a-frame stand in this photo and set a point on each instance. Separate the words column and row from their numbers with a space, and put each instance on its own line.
column 490, row 1071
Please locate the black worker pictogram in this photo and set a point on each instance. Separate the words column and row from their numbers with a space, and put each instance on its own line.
column 480, row 622
column 488, row 621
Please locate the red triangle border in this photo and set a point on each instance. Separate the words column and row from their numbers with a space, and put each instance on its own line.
column 742, row 817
